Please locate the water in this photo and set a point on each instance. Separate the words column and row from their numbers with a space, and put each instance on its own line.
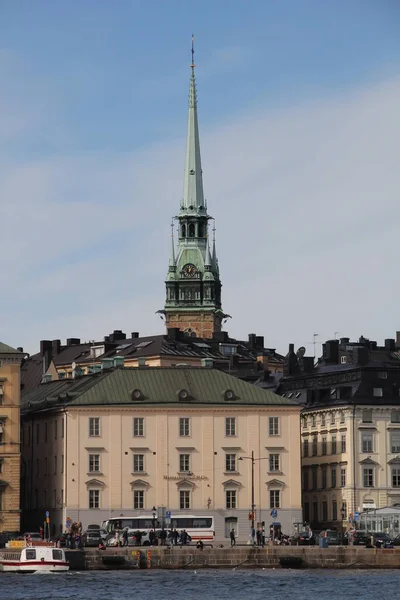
column 199, row 585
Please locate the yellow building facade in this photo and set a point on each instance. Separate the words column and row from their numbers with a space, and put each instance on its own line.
column 10, row 457
column 120, row 443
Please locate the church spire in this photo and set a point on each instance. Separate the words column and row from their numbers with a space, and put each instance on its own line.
column 193, row 196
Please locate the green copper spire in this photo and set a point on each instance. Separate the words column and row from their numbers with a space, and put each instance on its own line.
column 193, row 196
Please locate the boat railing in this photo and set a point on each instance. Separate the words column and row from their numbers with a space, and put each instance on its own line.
column 10, row 556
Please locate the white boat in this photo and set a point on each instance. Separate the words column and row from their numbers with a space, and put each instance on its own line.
column 33, row 559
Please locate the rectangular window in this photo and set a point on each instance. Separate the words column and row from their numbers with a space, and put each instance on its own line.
column 315, row 511
column 324, row 478
column 382, row 374
column 314, row 475
column 138, row 499
column 323, row 420
column 94, row 498
column 333, row 420
column 184, row 427
column 333, row 444
column 315, row 445
column 62, row 463
column 305, row 480
column 333, row 478
column 342, row 417
column 342, row 477
column 324, row 445
column 306, row 512
column 273, row 425
column 94, row 463
column 344, row 510
column 305, row 447
column 274, row 499
column 138, row 463
column 274, row 462
column 334, row 510
column 230, row 426
column 138, row 426
column 378, row 392
column 368, row 477
column 313, row 422
column 395, row 442
column 396, row 477
column 55, row 465
column 94, row 426
column 342, row 443
column 395, row 416
column 367, row 416
column 184, row 463
column 230, row 462
column 45, row 431
column 62, row 427
column 230, row 499
column 37, row 433
column 184, row 499
column 55, row 429
column 324, row 510
column 367, row 441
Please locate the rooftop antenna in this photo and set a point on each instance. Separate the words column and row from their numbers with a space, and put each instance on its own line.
column 336, row 333
column 314, row 342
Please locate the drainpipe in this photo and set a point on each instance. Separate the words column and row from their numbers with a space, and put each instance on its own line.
column 64, row 511
column 354, row 458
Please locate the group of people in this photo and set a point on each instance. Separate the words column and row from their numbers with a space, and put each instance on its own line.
column 175, row 537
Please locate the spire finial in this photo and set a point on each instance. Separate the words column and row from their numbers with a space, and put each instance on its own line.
column 192, row 66
column 172, row 261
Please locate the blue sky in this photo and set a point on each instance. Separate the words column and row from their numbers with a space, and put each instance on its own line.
column 299, row 125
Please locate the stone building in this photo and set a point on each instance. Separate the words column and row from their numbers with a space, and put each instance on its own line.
column 124, row 440
column 350, row 428
column 10, row 464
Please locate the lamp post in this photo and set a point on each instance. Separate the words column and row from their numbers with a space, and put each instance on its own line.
column 343, row 514
column 253, row 506
column 154, row 517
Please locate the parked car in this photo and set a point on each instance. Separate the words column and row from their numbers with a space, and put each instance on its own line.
column 304, row 539
column 334, row 538
column 33, row 535
column 382, row 539
column 92, row 538
column 362, row 538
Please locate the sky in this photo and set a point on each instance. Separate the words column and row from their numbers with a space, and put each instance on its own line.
column 298, row 105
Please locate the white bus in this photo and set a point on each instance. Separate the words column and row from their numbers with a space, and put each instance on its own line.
column 199, row 527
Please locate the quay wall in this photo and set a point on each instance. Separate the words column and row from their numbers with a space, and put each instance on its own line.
column 240, row 557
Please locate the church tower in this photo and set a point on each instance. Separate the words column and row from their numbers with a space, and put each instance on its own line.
column 193, row 286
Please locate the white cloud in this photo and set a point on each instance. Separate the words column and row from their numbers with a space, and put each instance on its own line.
column 307, row 213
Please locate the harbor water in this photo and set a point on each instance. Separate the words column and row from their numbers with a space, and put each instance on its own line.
column 205, row 584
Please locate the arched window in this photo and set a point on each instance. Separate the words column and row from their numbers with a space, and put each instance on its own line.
column 200, row 229
column 191, row 230
column 183, row 230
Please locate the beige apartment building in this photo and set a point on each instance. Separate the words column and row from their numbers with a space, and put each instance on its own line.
column 350, row 429
column 10, row 361
column 123, row 441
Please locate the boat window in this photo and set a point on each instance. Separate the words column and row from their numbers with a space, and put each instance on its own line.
column 57, row 554
column 30, row 554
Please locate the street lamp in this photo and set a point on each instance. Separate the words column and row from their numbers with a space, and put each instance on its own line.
column 154, row 517
column 253, row 506
column 343, row 514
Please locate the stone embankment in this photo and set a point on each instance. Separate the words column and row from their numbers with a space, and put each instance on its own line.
column 240, row 557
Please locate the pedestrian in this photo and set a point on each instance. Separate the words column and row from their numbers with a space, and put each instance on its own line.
column 253, row 535
column 163, row 536
column 200, row 545
column 125, row 537
column 233, row 538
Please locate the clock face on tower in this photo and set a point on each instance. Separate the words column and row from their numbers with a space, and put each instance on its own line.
column 189, row 270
